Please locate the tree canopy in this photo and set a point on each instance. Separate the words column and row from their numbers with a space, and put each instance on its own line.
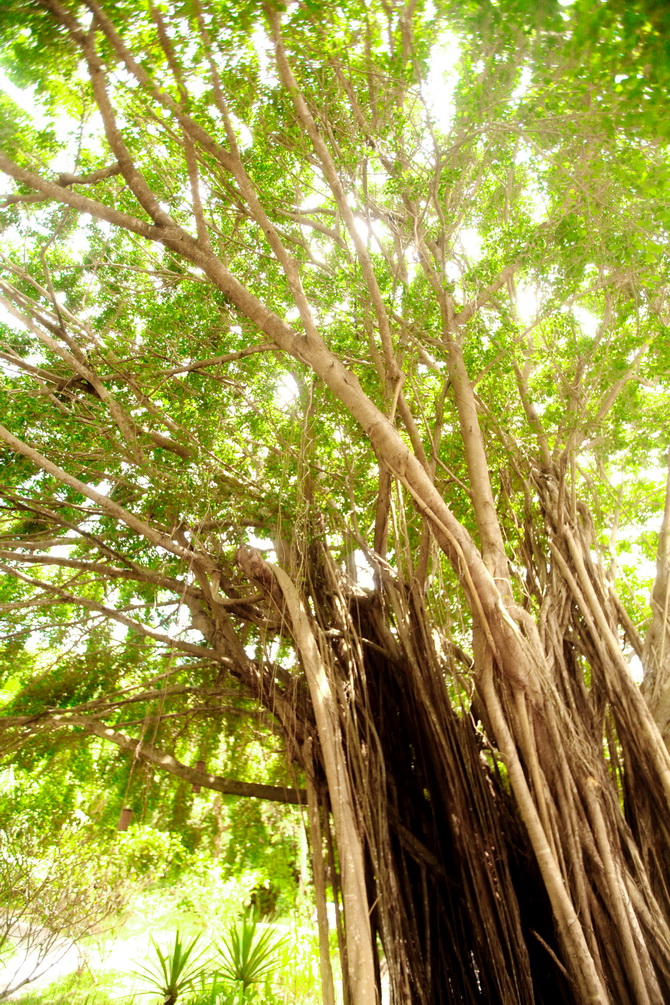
column 335, row 382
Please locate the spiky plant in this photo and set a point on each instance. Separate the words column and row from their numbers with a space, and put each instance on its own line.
column 174, row 970
column 248, row 953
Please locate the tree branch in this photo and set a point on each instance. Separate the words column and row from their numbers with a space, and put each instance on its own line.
column 228, row 786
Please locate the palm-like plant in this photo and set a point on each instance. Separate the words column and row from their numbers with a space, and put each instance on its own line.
column 249, row 954
column 174, row 971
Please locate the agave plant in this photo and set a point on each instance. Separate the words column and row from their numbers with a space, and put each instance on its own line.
column 174, row 971
column 249, row 954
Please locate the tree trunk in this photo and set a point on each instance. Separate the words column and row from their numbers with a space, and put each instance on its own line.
column 656, row 651
column 319, row 872
column 459, row 895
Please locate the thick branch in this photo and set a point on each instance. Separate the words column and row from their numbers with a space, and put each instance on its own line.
column 145, row 530
column 51, row 190
column 228, row 786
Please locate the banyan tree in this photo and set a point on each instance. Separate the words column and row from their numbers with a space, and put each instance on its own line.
column 335, row 372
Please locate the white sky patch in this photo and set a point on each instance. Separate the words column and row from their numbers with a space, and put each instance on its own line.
column 8, row 319
column 64, row 160
column 524, row 83
column 286, row 391
column 315, row 200
column 318, row 196
column 375, row 228
column 61, row 550
column 453, row 271
column 635, row 663
column 197, row 85
column 263, row 47
column 587, row 322
column 181, row 623
column 62, row 125
column 265, row 544
column 440, row 85
column 87, row 526
column 25, row 99
column 118, row 630
column 631, row 531
column 646, row 568
column 103, row 488
column 78, row 242
column 8, row 368
column 364, row 230
column 538, row 201
column 34, row 643
column 317, row 252
column 93, row 134
column 471, row 243
column 413, row 270
column 244, row 136
column 384, row 41
column 645, row 474
column 527, row 303
column 364, row 571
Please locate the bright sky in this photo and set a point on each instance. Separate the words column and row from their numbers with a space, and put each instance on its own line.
column 438, row 90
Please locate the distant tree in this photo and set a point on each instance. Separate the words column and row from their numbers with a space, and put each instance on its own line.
column 51, row 896
column 335, row 377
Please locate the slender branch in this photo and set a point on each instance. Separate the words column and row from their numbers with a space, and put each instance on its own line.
column 93, row 178
column 65, row 180
column 137, row 574
column 62, row 596
column 202, row 364
column 470, row 309
column 193, row 128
